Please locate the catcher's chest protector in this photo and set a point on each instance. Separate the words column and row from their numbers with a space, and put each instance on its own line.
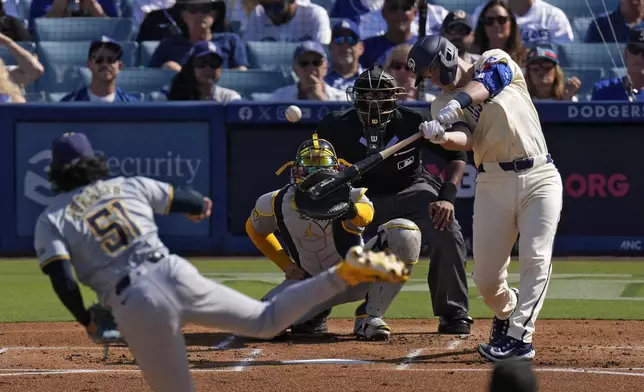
column 309, row 242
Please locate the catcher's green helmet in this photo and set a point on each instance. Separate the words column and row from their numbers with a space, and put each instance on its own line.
column 313, row 155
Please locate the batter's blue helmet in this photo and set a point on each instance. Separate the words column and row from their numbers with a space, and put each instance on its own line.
column 430, row 50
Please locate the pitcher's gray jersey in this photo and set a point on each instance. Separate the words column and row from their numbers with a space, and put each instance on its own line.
column 312, row 239
column 105, row 228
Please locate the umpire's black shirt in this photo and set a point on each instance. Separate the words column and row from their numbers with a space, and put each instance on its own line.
column 344, row 131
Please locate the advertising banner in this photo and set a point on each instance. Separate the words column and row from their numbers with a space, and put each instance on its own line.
column 151, row 149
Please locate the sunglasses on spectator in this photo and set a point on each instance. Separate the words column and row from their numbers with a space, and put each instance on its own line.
column 345, row 39
column 545, row 65
column 199, row 8
column 491, row 20
column 105, row 59
column 636, row 49
column 398, row 65
column 307, row 63
column 213, row 62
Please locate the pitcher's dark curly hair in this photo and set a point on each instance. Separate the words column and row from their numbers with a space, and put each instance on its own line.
column 66, row 178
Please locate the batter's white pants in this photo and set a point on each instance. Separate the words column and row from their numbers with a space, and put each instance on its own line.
column 162, row 296
column 506, row 204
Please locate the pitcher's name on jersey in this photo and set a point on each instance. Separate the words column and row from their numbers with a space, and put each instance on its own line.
column 85, row 200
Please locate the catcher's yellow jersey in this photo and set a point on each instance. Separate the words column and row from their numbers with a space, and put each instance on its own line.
column 505, row 127
column 311, row 240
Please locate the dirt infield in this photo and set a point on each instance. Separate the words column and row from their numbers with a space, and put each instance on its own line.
column 571, row 356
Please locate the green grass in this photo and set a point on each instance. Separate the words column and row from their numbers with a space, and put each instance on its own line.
column 578, row 290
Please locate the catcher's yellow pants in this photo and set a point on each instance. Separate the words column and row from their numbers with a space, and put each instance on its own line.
column 506, row 204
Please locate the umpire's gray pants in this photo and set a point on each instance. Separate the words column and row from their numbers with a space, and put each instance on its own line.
column 447, row 251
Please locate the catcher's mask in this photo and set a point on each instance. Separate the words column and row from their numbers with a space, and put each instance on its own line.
column 375, row 96
column 313, row 155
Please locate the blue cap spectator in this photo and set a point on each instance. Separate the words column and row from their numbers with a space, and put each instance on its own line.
column 457, row 28
column 631, row 85
column 199, row 17
column 628, row 13
column 104, row 62
column 197, row 80
column 310, row 65
column 346, row 49
column 67, row 8
column 545, row 77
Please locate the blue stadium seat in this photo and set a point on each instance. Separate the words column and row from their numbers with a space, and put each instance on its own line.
column 575, row 8
column 147, row 49
column 127, row 8
column 588, row 77
column 9, row 58
column 75, row 53
column 55, row 97
column 617, row 72
column 593, row 55
column 83, row 29
column 254, row 81
column 24, row 7
column 60, row 79
column 36, row 97
column 327, row 4
column 138, row 80
column 269, row 56
column 260, row 96
column 580, row 27
column 236, row 26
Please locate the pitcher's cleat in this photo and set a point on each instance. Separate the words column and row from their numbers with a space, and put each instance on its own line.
column 361, row 266
column 371, row 328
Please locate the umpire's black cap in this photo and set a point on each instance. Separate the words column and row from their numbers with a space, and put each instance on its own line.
column 513, row 376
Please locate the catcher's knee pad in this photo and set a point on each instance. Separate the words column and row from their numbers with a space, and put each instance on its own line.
column 401, row 237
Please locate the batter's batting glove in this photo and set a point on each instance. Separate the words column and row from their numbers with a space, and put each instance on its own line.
column 450, row 113
column 433, row 131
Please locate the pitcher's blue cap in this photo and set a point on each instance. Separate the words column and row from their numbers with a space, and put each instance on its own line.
column 69, row 148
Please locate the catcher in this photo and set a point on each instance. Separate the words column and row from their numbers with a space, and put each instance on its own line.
column 317, row 234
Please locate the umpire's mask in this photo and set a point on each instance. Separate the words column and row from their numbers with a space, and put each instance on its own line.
column 375, row 97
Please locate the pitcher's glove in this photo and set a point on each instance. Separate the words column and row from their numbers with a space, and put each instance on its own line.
column 103, row 329
column 337, row 204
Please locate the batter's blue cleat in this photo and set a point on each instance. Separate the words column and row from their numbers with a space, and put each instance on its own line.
column 500, row 327
column 507, row 348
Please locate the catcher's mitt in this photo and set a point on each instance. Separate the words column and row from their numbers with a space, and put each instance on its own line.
column 336, row 204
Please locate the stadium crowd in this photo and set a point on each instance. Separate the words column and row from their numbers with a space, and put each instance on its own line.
column 283, row 50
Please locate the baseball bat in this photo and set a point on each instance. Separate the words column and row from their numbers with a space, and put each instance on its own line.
column 348, row 175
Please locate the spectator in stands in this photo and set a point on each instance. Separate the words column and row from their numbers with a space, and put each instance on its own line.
column 629, row 13
column 27, row 69
column 290, row 21
column 197, row 80
column 497, row 29
column 9, row 91
column 13, row 27
column 399, row 15
column 241, row 11
column 538, row 21
column 141, row 8
column 104, row 61
column 631, row 85
column 163, row 23
column 396, row 66
column 346, row 49
column 67, row 8
column 310, row 65
column 199, row 16
column 354, row 9
column 458, row 30
column 373, row 23
column 545, row 77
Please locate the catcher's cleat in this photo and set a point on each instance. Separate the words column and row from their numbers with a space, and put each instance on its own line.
column 371, row 328
column 361, row 266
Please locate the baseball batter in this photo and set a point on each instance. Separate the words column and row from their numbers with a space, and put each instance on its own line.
column 313, row 245
column 105, row 229
column 518, row 189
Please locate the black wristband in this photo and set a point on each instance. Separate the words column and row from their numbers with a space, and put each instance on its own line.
column 351, row 213
column 464, row 99
column 448, row 192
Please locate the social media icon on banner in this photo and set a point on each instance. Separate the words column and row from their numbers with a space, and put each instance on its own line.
column 245, row 113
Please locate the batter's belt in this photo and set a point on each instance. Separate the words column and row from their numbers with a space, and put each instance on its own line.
column 518, row 165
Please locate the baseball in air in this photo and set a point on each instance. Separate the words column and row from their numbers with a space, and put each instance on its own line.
column 293, row 113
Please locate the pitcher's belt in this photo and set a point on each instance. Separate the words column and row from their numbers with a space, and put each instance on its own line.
column 126, row 281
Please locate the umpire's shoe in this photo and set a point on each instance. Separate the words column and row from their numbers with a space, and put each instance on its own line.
column 315, row 326
column 459, row 325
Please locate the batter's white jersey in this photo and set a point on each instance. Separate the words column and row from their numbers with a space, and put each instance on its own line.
column 542, row 22
column 506, row 127
column 312, row 240
column 105, row 228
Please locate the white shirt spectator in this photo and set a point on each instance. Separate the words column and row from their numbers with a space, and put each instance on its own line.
column 12, row 8
column 235, row 11
column 372, row 23
column 109, row 98
column 311, row 22
column 141, row 7
column 542, row 22
column 290, row 93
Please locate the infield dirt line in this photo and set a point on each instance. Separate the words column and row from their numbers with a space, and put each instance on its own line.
column 409, row 358
column 250, row 358
column 224, row 344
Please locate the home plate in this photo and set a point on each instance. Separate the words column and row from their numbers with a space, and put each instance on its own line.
column 327, row 361
column 3, row 350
